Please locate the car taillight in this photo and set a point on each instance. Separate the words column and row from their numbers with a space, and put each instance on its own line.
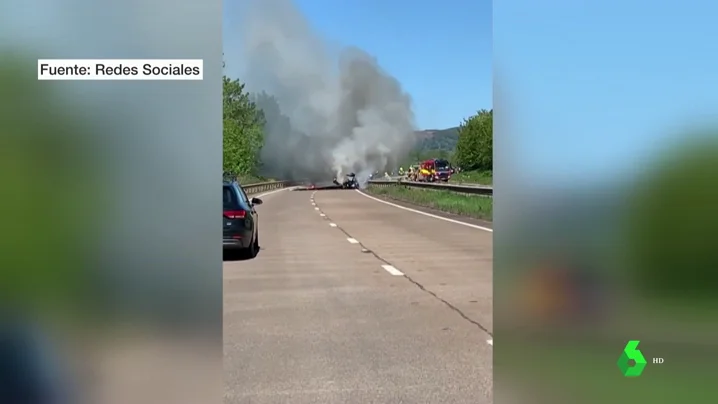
column 235, row 214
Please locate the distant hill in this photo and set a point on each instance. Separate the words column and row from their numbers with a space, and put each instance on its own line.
column 433, row 143
column 438, row 139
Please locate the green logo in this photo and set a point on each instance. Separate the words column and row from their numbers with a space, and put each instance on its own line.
column 630, row 353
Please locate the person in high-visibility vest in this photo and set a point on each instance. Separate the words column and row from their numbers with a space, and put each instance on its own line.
column 401, row 171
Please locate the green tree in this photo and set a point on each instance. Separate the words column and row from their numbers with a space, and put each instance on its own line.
column 475, row 147
column 243, row 129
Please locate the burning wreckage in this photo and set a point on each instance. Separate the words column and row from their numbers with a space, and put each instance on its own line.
column 349, row 182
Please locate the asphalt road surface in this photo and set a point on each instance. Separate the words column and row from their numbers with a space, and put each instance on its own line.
column 353, row 300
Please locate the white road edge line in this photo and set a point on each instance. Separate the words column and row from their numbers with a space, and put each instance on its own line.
column 352, row 240
column 446, row 219
column 392, row 270
column 273, row 192
column 333, row 224
column 490, row 341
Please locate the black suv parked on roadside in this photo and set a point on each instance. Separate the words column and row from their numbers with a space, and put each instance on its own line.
column 240, row 221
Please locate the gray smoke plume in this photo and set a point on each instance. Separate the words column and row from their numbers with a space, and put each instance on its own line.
column 327, row 113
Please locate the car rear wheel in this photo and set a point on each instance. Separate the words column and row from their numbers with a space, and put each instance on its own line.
column 252, row 250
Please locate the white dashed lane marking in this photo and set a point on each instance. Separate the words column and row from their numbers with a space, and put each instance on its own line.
column 392, row 270
column 333, row 224
column 352, row 240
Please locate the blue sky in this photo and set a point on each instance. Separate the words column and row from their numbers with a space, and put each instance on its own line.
column 439, row 51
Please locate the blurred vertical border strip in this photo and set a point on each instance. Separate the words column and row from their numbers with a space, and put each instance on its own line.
column 109, row 250
column 604, row 216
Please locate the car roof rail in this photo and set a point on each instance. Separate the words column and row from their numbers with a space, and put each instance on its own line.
column 229, row 177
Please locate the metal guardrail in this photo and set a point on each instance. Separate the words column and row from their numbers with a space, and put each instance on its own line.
column 464, row 189
column 266, row 186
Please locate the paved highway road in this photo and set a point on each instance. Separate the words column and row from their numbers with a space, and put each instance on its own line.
column 353, row 300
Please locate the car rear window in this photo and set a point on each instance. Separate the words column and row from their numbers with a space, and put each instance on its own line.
column 229, row 198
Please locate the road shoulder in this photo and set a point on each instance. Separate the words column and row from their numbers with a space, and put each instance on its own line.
column 431, row 211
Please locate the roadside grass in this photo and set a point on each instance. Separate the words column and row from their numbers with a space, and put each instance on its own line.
column 474, row 177
column 445, row 201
